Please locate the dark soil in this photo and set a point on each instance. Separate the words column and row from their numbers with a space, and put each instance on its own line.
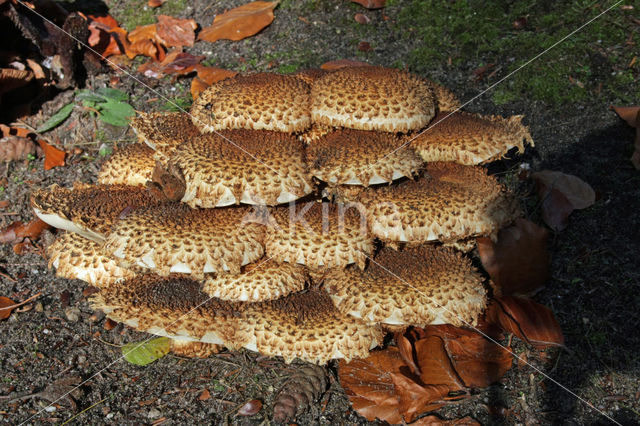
column 594, row 290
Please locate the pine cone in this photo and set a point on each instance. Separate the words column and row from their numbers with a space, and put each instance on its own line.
column 16, row 148
column 304, row 387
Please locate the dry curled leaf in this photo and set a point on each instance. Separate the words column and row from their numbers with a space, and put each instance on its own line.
column 155, row 3
column 250, row 408
column 239, row 23
column 518, row 262
column 416, row 399
column 18, row 231
column 197, row 86
column 530, row 321
column 303, row 388
column 6, row 307
column 14, row 148
column 371, row 4
column 579, row 193
column 632, row 116
column 174, row 32
column 211, row 75
column 53, row 157
column 435, row 366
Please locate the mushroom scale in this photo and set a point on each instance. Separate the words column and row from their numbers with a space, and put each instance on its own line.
column 265, row 279
column 307, row 326
column 131, row 165
column 164, row 131
column 456, row 202
column 174, row 307
column 175, row 238
column 242, row 166
column 471, row 139
column 417, row 286
column 358, row 157
column 258, row 101
column 76, row 257
column 318, row 235
column 372, row 98
column 89, row 210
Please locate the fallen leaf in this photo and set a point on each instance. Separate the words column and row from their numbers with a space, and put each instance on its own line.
column 435, row 365
column 197, row 86
column 146, row 352
column 155, row 3
column 174, row 32
column 578, row 193
column 530, row 321
column 14, row 148
column 38, row 72
column 239, row 23
column 632, row 116
column 13, row 131
column 361, row 18
column 57, row 118
column 518, row 263
column 341, row 63
column 182, row 63
column 250, row 408
column 371, row 4
column 211, row 75
column 4, row 204
column 6, row 307
column 17, row 231
column 53, row 157
column 416, row 399
column 407, row 352
column 364, row 46
column 555, row 208
column 204, row 395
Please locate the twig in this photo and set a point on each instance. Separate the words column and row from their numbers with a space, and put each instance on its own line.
column 86, row 409
column 21, row 303
column 2, row 274
column 9, row 214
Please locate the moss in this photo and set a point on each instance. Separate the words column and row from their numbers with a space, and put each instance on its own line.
column 458, row 34
column 135, row 13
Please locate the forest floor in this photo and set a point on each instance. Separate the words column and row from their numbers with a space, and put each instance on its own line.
column 564, row 95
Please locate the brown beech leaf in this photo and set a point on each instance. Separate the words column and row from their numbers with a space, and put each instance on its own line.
column 16, row 148
column 518, row 262
column 632, row 116
column 197, row 86
column 211, row 75
column 155, row 3
column 530, row 321
column 435, row 365
column 416, row 399
column 250, row 408
column 174, row 32
column 53, row 157
column 6, row 307
column 579, row 193
column 371, row 4
column 342, row 63
column 406, row 351
column 555, row 207
column 13, row 131
column 105, row 36
column 361, row 18
column 239, row 23
column 369, row 386
column 182, row 63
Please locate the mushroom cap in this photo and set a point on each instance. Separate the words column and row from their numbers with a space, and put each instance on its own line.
column 262, row 280
column 174, row 307
column 417, row 286
column 131, row 165
column 471, row 138
column 164, row 131
column 257, row 167
column 455, row 203
column 89, row 210
column 372, row 98
column 76, row 257
column 358, row 157
column 307, row 326
column 175, row 238
column 259, row 101
column 11, row 78
column 447, row 100
column 191, row 349
column 318, row 235
column 310, row 75
column 315, row 132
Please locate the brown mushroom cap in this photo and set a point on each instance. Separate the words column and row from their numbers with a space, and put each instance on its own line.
column 256, row 101
column 173, row 307
column 372, row 98
column 164, row 131
column 470, row 138
column 89, row 210
column 418, row 286
column 455, row 203
column 310, row 75
column 358, row 157
column 318, row 235
column 76, row 257
column 175, row 238
column 257, row 167
column 191, row 349
column 262, row 280
column 131, row 165
column 308, row 326
column 447, row 100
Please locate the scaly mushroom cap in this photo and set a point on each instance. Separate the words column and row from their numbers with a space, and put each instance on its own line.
column 175, row 238
column 307, row 326
column 164, row 131
column 372, row 98
column 256, row 101
column 76, row 257
column 318, row 235
column 358, row 157
column 310, row 75
column 262, row 280
column 248, row 166
column 89, row 210
column 315, row 132
column 455, row 203
column 471, row 139
column 418, row 286
column 131, row 165
column 173, row 307
column 192, row 349
column 447, row 101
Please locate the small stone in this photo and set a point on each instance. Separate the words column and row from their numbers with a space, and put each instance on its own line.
column 153, row 413
column 72, row 314
column 39, row 307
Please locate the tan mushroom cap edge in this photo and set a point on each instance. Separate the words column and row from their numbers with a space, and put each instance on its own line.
column 132, row 165
column 417, row 286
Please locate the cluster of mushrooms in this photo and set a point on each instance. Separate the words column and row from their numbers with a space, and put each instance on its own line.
column 298, row 215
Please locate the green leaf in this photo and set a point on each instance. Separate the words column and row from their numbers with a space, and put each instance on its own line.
column 113, row 94
column 116, row 113
column 143, row 353
column 89, row 96
column 57, row 118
